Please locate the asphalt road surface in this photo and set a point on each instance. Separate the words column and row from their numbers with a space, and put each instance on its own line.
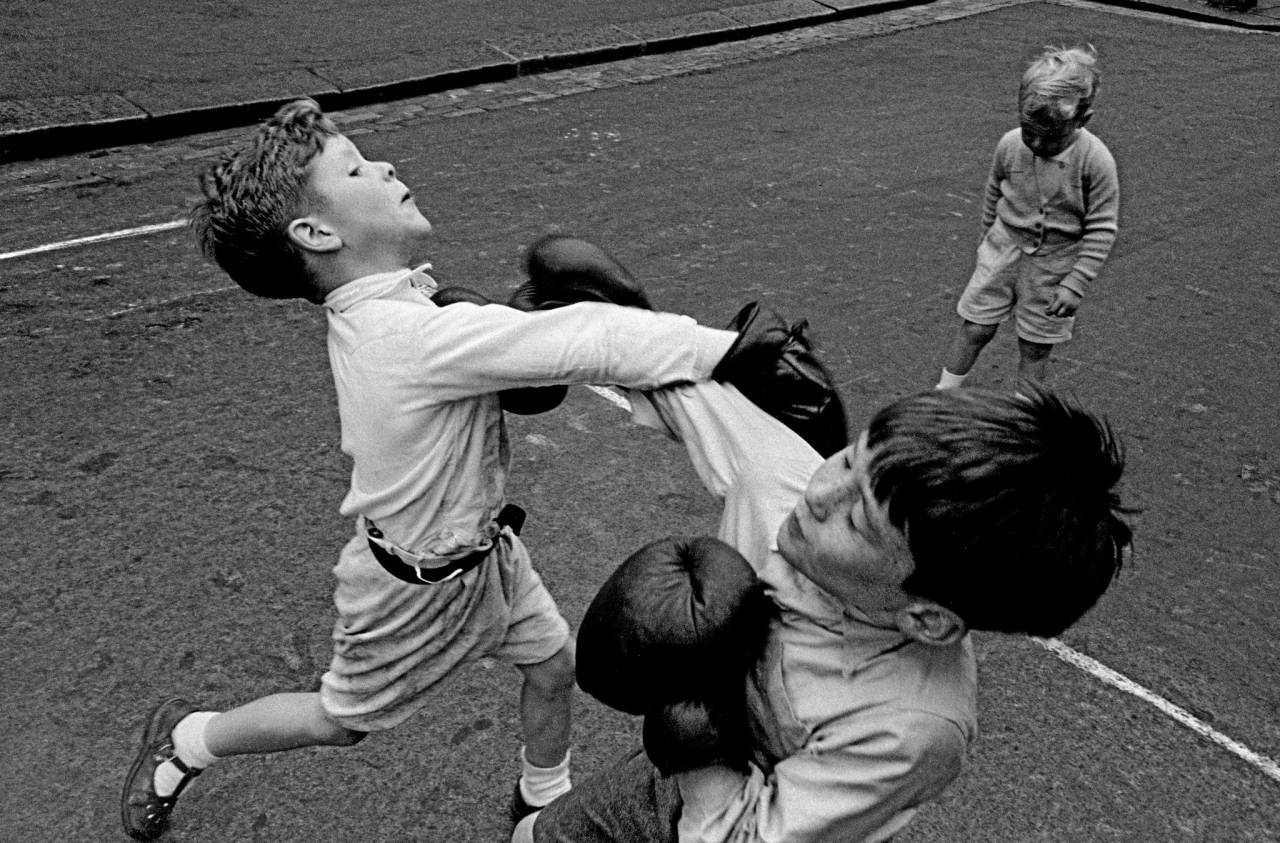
column 170, row 475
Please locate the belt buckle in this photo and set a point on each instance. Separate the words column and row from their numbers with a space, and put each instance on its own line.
column 417, row 572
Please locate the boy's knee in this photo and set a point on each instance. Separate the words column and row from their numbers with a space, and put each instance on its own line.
column 330, row 732
column 1034, row 351
column 350, row 737
column 335, row 734
column 976, row 333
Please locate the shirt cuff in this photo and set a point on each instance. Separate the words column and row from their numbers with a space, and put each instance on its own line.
column 1076, row 283
column 707, row 794
column 712, row 345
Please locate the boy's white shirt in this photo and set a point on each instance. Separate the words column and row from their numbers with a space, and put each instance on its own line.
column 417, row 392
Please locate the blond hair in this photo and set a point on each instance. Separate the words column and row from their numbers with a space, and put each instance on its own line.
column 1059, row 85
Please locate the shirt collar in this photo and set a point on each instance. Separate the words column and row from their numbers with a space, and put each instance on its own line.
column 379, row 285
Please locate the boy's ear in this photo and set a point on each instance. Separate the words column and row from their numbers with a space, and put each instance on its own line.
column 930, row 623
column 1084, row 117
column 313, row 235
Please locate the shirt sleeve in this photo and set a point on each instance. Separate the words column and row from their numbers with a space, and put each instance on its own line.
column 465, row 350
column 991, row 191
column 861, row 779
column 1101, row 187
column 725, row 434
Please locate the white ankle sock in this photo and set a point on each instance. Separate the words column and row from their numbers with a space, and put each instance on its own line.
column 540, row 785
column 189, row 746
column 950, row 380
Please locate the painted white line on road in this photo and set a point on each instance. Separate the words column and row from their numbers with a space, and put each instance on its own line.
column 151, row 305
column 612, row 396
column 96, row 238
column 1098, row 670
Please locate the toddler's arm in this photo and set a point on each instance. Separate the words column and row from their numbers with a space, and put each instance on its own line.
column 991, row 192
column 1101, row 187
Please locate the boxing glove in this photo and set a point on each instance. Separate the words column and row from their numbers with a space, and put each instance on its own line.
column 773, row 364
column 671, row 635
column 687, row 734
column 565, row 270
column 524, row 400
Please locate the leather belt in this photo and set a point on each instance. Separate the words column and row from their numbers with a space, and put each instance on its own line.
column 511, row 516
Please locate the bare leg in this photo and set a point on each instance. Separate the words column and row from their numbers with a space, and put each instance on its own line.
column 276, row 723
column 967, row 345
column 546, row 702
column 1033, row 361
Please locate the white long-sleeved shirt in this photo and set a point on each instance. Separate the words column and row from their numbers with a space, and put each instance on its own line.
column 417, row 400
column 854, row 725
column 1046, row 203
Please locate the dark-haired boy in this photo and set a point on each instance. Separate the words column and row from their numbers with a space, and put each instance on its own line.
column 955, row 510
column 435, row 576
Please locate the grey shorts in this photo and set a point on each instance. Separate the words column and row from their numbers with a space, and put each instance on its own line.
column 631, row 801
column 394, row 641
column 1007, row 281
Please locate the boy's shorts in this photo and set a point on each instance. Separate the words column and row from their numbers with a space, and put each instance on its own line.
column 393, row 641
column 630, row 801
column 1007, row 279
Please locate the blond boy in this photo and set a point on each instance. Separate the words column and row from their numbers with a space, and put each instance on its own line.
column 1049, row 218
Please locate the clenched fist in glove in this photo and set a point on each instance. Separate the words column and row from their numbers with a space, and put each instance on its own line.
column 671, row 635
column 525, row 400
column 773, row 364
column 566, row 270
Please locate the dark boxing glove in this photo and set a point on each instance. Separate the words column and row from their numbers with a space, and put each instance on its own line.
column 773, row 364
column 566, row 270
column 671, row 635
column 525, row 400
column 688, row 734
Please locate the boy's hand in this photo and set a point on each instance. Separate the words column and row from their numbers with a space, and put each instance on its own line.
column 564, row 270
column 1065, row 301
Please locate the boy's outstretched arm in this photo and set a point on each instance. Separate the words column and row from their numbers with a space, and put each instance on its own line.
column 772, row 362
column 724, row 433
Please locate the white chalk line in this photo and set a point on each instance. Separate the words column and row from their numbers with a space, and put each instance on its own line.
column 1100, row 671
column 138, row 231
column 95, row 238
column 612, row 396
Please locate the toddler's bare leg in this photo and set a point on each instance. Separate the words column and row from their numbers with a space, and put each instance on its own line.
column 276, row 723
column 1033, row 361
column 967, row 345
column 546, row 701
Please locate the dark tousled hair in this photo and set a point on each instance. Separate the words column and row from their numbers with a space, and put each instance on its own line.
column 1008, row 503
column 252, row 195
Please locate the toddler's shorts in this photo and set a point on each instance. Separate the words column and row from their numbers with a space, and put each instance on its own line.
column 1007, row 280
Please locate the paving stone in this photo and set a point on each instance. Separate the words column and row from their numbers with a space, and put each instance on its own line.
column 777, row 11
column 852, row 5
column 409, row 65
column 603, row 40
column 36, row 112
column 680, row 28
column 269, row 86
